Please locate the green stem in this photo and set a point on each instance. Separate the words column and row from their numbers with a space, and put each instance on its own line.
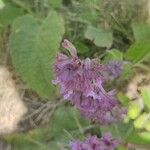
column 79, row 125
column 117, row 131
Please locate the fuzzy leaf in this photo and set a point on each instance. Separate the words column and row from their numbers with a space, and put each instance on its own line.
column 141, row 31
column 8, row 14
column 33, row 48
column 100, row 36
column 113, row 54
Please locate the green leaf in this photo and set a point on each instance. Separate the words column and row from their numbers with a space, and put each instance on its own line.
column 86, row 11
column 121, row 148
column 141, row 31
column 140, row 138
column 138, row 51
column 116, row 54
column 60, row 123
column 9, row 13
column 25, row 142
column 81, row 48
column 118, row 130
column 101, row 37
column 147, row 125
column 113, row 55
column 146, row 97
column 55, row 3
column 134, row 110
column 123, row 99
column 36, row 139
column 141, row 120
column 33, row 48
column 1, row 4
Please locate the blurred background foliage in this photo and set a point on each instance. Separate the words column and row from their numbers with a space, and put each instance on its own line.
column 30, row 35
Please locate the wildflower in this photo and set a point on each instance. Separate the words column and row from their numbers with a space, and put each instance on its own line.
column 102, row 110
column 74, row 74
column 81, row 83
column 94, row 143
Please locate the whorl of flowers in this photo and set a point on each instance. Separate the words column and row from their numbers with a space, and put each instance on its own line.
column 81, row 83
column 94, row 143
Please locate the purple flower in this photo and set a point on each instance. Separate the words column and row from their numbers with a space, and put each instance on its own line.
column 74, row 74
column 102, row 110
column 94, row 143
column 114, row 69
column 81, row 83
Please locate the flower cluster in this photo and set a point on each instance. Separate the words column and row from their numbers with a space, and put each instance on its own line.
column 94, row 143
column 81, row 83
column 114, row 68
